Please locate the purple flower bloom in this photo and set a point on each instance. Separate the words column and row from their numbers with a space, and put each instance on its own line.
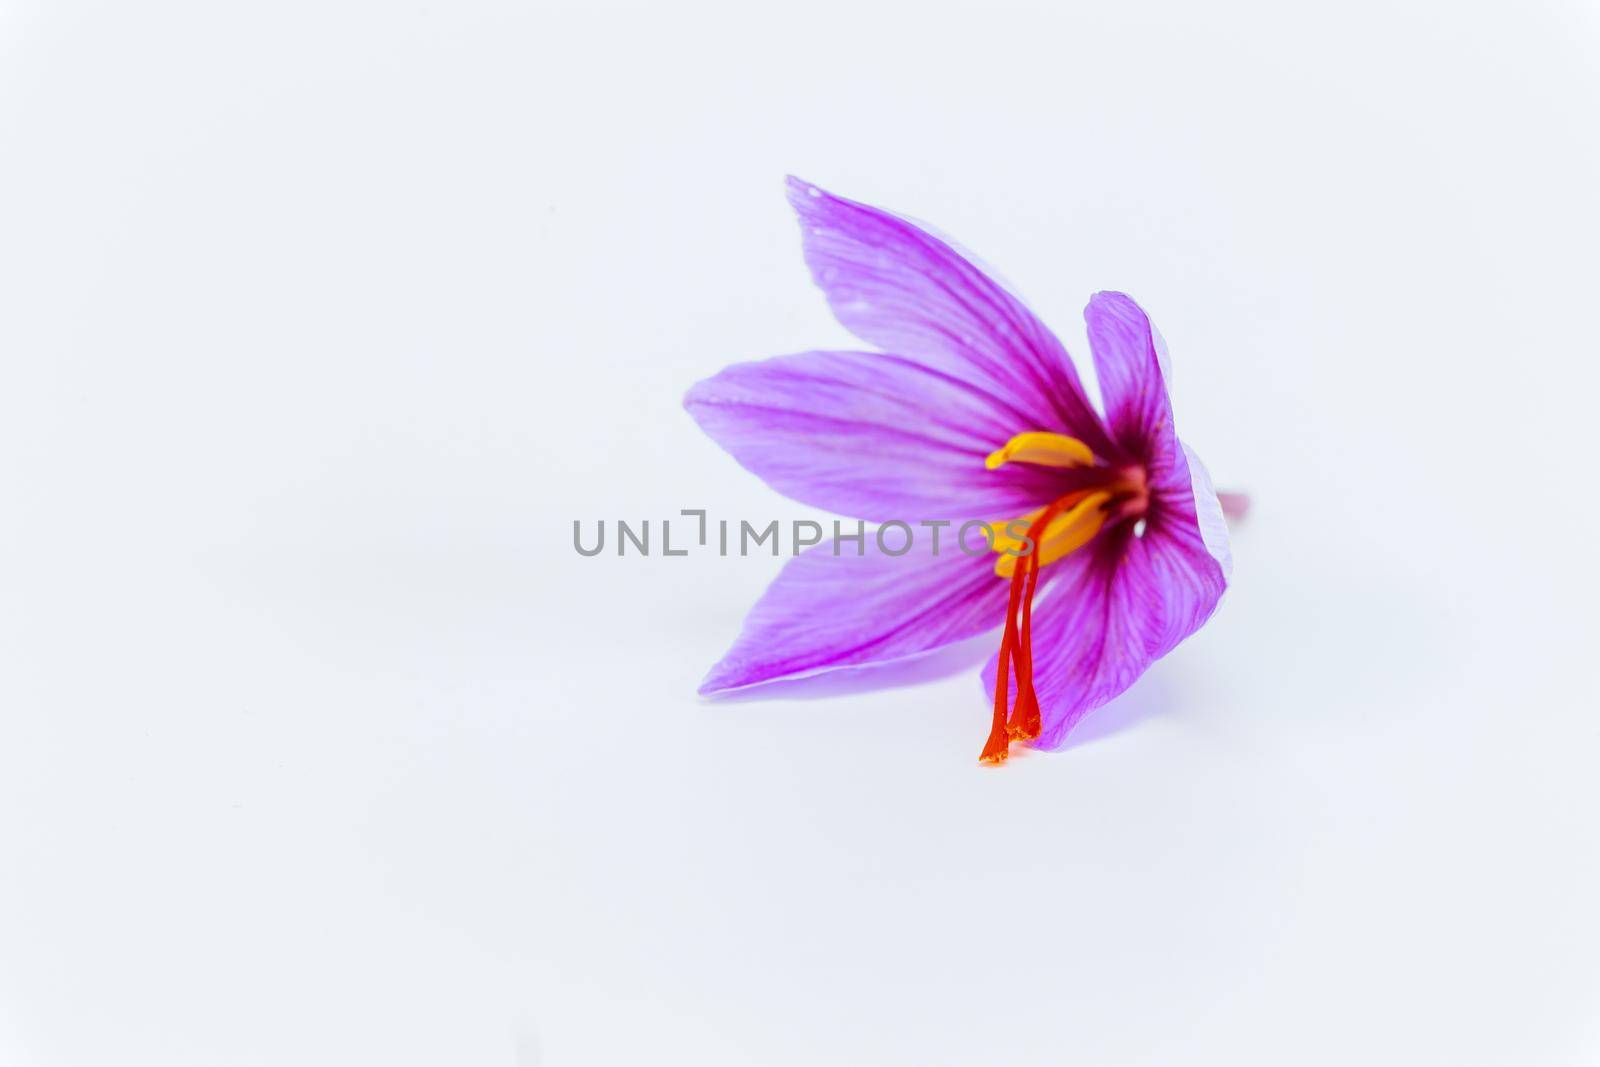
column 972, row 410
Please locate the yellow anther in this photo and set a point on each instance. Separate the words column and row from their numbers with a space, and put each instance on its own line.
column 1066, row 533
column 1045, row 449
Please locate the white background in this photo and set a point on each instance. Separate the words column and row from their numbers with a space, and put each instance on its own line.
column 319, row 744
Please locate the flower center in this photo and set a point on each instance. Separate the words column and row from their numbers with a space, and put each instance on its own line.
column 1099, row 495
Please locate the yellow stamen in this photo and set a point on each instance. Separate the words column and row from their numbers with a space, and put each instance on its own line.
column 1067, row 532
column 1045, row 449
column 1007, row 535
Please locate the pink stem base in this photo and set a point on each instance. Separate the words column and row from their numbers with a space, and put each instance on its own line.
column 1234, row 505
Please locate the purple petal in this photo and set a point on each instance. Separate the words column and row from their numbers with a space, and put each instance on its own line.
column 868, row 435
column 896, row 286
column 826, row 611
column 1129, row 362
column 1209, row 513
column 1126, row 600
column 1133, row 597
column 1118, row 606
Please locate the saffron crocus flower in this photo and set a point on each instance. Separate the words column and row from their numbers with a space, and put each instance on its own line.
column 1106, row 543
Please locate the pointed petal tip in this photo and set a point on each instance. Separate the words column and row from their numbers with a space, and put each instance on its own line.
column 695, row 406
column 693, row 395
column 1107, row 299
column 716, row 682
column 703, row 393
column 729, row 675
column 806, row 199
